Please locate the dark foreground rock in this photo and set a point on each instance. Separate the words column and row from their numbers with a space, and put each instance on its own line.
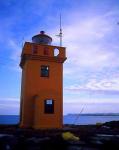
column 91, row 137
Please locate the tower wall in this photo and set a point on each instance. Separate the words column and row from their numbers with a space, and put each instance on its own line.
column 36, row 89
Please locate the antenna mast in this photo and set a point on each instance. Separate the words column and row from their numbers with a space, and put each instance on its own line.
column 60, row 34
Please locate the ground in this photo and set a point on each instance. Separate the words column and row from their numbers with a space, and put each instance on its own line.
column 91, row 137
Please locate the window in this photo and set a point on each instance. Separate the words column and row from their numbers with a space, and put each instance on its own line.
column 56, row 52
column 44, row 71
column 35, row 49
column 49, row 106
column 46, row 51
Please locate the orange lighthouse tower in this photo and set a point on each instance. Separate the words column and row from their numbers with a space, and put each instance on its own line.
column 42, row 83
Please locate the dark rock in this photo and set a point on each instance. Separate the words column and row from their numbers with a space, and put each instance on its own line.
column 111, row 144
column 74, row 148
column 112, row 124
column 82, row 148
column 56, row 143
column 105, row 137
column 8, row 142
column 36, row 140
column 80, row 143
column 36, row 143
column 21, row 145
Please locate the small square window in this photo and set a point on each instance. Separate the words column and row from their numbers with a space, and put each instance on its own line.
column 44, row 71
column 49, row 106
column 35, row 49
column 46, row 51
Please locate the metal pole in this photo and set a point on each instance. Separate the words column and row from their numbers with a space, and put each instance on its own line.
column 60, row 31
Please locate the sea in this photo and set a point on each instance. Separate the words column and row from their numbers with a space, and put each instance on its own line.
column 77, row 119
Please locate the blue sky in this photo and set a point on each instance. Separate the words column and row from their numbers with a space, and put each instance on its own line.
column 91, row 35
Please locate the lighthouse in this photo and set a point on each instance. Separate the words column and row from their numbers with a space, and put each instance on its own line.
column 41, row 104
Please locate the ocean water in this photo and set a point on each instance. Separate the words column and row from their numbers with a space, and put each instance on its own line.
column 89, row 119
column 9, row 119
column 68, row 119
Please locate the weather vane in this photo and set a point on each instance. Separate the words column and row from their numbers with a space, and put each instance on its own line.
column 60, row 33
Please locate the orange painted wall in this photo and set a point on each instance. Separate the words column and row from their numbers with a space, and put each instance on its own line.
column 35, row 89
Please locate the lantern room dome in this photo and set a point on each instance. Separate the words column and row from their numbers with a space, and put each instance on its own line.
column 42, row 38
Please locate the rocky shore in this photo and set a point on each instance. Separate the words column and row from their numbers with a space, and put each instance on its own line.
column 88, row 137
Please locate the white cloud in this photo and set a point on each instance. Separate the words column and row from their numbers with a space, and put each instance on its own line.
column 4, row 99
column 88, row 42
column 85, row 42
column 16, row 50
column 9, row 106
column 88, row 100
column 15, row 55
column 103, row 85
column 91, row 108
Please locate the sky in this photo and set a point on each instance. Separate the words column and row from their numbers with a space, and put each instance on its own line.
column 91, row 37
